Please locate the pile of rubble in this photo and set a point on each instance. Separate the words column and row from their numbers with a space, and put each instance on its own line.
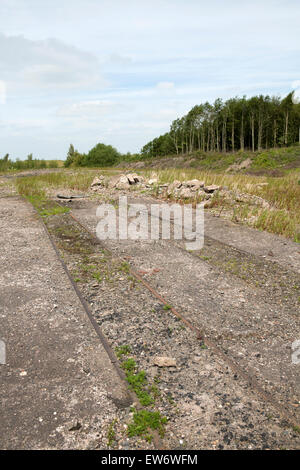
column 126, row 181
column 98, row 183
column 191, row 189
column 178, row 189
column 117, row 182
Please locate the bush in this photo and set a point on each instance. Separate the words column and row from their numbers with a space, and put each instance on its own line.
column 100, row 155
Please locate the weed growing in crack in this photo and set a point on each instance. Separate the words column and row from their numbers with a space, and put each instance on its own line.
column 123, row 350
column 137, row 382
column 296, row 429
column 111, row 433
column 125, row 267
column 167, row 307
column 143, row 421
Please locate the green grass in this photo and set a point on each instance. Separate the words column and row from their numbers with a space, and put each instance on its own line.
column 275, row 158
column 74, row 180
column 296, row 429
column 111, row 433
column 46, row 207
column 143, row 421
column 129, row 365
column 123, row 350
column 282, row 193
column 167, row 307
column 219, row 162
column 125, row 267
column 137, row 382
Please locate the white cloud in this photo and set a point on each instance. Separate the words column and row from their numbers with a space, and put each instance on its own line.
column 117, row 59
column 47, row 64
column 296, row 96
column 2, row 92
column 158, row 65
column 165, row 86
column 88, row 109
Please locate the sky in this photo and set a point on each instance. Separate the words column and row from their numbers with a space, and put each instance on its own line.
column 119, row 71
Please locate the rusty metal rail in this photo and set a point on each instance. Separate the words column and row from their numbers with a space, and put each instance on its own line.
column 201, row 335
column 132, row 398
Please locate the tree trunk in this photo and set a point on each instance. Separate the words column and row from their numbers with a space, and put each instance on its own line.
column 275, row 133
column 224, row 146
column 218, row 138
column 286, row 128
column 208, row 140
column 232, row 134
column 252, row 132
column 242, row 138
column 259, row 139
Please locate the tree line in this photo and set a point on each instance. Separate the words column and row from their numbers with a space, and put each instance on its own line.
column 237, row 124
column 100, row 155
column 30, row 163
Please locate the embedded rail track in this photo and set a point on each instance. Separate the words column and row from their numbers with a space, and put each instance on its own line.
column 111, row 354
column 199, row 334
column 203, row 337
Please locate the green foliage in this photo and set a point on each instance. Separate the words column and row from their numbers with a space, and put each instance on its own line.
column 162, row 145
column 100, row 155
column 137, row 381
column 123, row 350
column 167, row 307
column 54, row 211
column 30, row 163
column 32, row 189
column 125, row 267
column 296, row 429
column 257, row 123
column 111, row 433
column 129, row 365
column 70, row 156
column 143, row 421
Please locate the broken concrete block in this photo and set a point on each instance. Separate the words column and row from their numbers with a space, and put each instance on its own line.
column 164, row 361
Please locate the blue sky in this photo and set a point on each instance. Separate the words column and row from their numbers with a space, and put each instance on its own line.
column 119, row 71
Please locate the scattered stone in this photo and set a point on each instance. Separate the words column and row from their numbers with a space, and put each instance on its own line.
column 212, row 188
column 97, row 181
column 174, row 187
column 122, row 182
column 240, row 166
column 207, row 204
column 131, row 179
column 164, row 361
column 125, row 181
column 261, row 185
column 153, row 181
column 75, row 426
column 195, row 184
column 186, row 193
column 138, row 178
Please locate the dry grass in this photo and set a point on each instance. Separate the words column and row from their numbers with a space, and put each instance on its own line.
column 282, row 193
column 75, row 180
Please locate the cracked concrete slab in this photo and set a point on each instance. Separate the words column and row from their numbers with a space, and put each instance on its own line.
column 57, row 375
